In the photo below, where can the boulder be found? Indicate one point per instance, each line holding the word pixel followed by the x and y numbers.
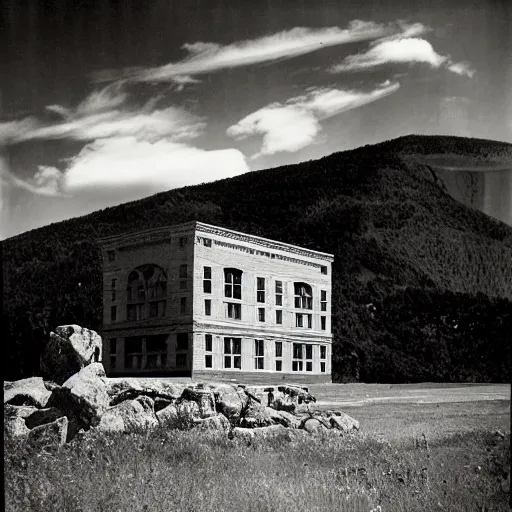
pixel 130 388
pixel 286 419
pixel 284 402
pixel 42 416
pixel 247 434
pixel 204 398
pixel 31 391
pixel 131 416
pixel 297 394
pixel 14 420
pixel 343 422
pixel 188 410
pixel 82 398
pixel 312 425
pixel 219 422
pixel 231 402
pixel 161 403
pixel 69 349
pixel 168 416
pixel 50 435
pixel 257 415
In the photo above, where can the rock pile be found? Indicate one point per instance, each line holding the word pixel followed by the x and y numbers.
pixel 78 397
pixel 45 414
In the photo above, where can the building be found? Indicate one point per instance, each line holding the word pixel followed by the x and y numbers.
pixel 212 303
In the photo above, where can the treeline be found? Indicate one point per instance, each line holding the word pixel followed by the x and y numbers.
pixel 389 224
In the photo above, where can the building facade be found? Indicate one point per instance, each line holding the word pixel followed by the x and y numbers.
pixel 212 303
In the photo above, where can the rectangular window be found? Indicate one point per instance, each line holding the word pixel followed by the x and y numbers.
pixel 234 311
pixel 181 360
pixel 156 309
pixel 113 313
pixel 233 353
pixel 112 352
pixel 298 356
pixel 207 307
pixel 182 342
pixel 233 283
pixel 113 362
pixel 261 314
pixel 183 241
pixel 208 342
pixel 183 305
pixel 279 316
pixel 208 361
pixel 260 289
pixel 259 357
pixel 310 321
pixel 207 279
pixel 323 351
pixel 279 366
pixel 323 321
pixel 207 242
pixel 113 295
pixel 279 349
pixel 298 320
pixel 153 310
pixel 183 285
pixel 114 282
pixel 141 292
pixel 323 300
pixel 183 271
pixel 133 352
pixel 309 358
pixel 111 255
pixel 323 269
pixel 279 293
pixel 322 366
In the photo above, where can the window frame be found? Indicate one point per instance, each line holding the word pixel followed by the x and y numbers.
pixel 259 354
pixel 232 288
pixel 234 355
pixel 260 290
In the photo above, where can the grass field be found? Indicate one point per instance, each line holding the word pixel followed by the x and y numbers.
pixel 460 464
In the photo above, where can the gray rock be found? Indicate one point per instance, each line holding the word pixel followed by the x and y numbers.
pixel 257 415
pixel 131 388
pixel 248 434
pixel 344 422
pixel 50 435
pixel 69 349
pixel 204 398
pixel 42 416
pixel 14 421
pixel 286 419
pixel 82 398
pixel 131 416
pixel 31 391
pixel 230 402
pixel 219 422
pixel 312 425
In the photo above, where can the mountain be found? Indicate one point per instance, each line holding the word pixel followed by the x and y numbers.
pixel 422 284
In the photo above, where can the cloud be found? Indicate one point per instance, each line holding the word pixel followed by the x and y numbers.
pixel 126 162
pixel 207 57
pixel 296 123
pixel 402 50
pixel 99 116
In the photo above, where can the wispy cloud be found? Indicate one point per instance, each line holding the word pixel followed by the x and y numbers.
pixel 99 117
pixel 208 57
pixel 401 50
pixel 295 124
pixel 129 162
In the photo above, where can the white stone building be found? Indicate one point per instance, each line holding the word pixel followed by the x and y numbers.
pixel 208 302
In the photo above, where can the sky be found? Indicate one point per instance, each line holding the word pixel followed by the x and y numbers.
pixel 103 102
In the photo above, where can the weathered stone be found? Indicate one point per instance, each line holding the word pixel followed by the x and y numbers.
pixel 69 349
pixel 284 403
pixel 161 403
pixel 219 422
pixel 43 416
pixel 147 404
pixel 131 416
pixel 258 415
pixel 204 398
pixel 168 416
pixel 344 422
pixel 50 435
pixel 82 398
pixel 286 419
pixel 299 394
pixel 248 434
pixel 188 410
pixel 31 391
pixel 14 420
pixel 230 402
pixel 312 425
pixel 131 388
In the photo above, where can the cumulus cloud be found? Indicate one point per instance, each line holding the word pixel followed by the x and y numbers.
pixel 207 57
pixel 295 124
pixel 129 162
pixel 401 50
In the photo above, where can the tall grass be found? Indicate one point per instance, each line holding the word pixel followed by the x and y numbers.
pixel 196 471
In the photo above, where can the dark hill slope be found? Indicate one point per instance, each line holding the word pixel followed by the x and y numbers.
pixel 422 284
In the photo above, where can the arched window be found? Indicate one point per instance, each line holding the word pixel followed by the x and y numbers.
pixel 303 296
pixel 146 292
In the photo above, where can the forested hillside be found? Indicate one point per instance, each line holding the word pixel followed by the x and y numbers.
pixel 422 285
